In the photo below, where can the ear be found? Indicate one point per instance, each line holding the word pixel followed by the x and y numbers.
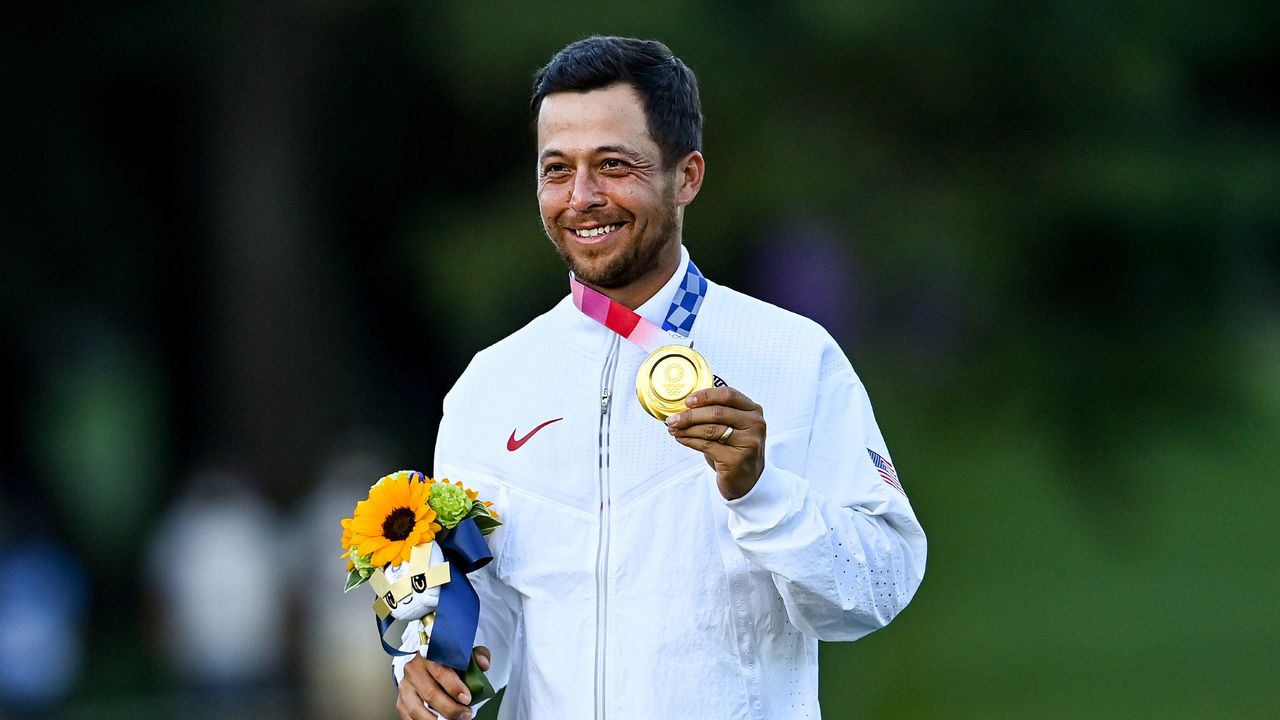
pixel 689 172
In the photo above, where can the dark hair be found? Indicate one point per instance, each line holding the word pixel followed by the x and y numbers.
pixel 667 87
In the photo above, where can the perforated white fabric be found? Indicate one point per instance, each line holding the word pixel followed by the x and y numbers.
pixel 624 586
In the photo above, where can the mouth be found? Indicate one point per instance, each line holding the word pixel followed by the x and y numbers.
pixel 596 234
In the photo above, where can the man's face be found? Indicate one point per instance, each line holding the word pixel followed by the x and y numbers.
pixel 606 203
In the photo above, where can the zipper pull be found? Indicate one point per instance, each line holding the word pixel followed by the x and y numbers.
pixel 604 401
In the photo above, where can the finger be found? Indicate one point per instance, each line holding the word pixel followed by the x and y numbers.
pixel 422 687
pixel 453 695
pixel 411 694
pixel 717 414
pixel 738 438
pixel 482 655
pixel 442 708
pixel 724 395
pixel 416 710
pixel 713 450
pixel 403 706
pixel 410 701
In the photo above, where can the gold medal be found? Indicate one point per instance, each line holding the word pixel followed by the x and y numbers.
pixel 668 376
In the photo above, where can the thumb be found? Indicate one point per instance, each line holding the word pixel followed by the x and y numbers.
pixel 482 656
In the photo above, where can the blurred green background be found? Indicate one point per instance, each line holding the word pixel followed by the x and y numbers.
pixel 247 247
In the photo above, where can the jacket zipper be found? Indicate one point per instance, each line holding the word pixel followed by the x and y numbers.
pixel 602 552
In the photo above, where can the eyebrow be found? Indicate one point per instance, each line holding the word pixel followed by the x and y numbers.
pixel 619 149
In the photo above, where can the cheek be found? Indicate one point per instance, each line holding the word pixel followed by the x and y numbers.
pixel 550 204
pixel 635 199
pixel 548 220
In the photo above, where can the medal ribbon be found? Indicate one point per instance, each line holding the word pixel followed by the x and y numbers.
pixel 638 329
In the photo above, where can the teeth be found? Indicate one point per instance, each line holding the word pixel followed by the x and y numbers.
pixel 595 232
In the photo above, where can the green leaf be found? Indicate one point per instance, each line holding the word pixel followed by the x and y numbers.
pixel 486 523
pixel 477 682
pixel 355 579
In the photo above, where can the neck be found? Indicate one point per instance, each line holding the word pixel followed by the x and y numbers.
pixel 638 292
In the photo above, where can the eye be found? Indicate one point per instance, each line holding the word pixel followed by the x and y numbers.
pixel 613 164
pixel 555 170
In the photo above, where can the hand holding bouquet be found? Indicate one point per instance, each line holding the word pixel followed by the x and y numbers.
pixel 414 540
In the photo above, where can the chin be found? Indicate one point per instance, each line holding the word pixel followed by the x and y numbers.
pixel 608 272
pixel 595 267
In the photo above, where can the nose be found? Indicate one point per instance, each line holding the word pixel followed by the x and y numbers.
pixel 584 193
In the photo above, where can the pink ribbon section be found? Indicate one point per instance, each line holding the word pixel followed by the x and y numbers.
pixel 615 316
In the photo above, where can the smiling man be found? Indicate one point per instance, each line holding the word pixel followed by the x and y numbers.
pixel 611 203
pixel 664 554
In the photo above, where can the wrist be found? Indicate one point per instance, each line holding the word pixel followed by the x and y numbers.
pixel 735 487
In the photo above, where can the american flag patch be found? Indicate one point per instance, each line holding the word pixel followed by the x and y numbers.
pixel 885 468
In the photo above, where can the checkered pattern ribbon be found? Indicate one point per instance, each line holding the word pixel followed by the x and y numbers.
pixel 630 325
pixel 687 300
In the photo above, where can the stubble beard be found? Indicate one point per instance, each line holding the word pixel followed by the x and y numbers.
pixel 630 263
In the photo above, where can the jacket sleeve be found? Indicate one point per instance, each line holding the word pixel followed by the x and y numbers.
pixel 498 602
pixel 843 545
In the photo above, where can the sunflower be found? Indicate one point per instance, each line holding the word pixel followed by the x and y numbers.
pixel 346 544
pixel 393 520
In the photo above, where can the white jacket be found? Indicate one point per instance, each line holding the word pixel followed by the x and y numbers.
pixel 623 584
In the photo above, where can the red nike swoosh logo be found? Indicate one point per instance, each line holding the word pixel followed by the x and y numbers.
pixel 513 444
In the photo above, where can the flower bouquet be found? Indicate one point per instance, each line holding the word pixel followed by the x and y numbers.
pixel 413 540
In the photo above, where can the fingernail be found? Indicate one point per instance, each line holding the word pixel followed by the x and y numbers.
pixel 466 715
pixel 691 400
pixel 673 419
pixel 464 698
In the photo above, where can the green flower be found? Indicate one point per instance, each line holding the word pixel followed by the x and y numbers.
pixel 360 569
pixel 450 502
pixel 363 563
